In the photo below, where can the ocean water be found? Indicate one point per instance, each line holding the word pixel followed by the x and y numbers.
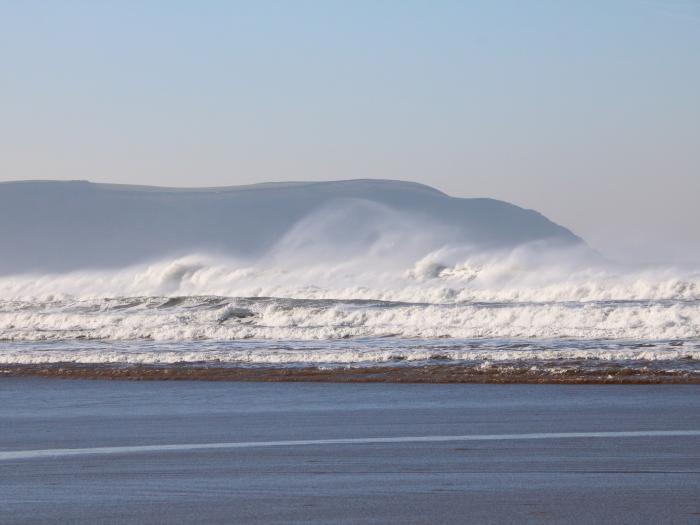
pixel 516 308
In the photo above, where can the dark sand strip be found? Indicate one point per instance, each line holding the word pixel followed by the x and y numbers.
pixel 510 374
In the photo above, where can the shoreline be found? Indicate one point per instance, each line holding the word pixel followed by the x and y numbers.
pixel 438 374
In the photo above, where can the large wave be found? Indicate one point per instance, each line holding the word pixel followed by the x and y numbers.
pixel 445 275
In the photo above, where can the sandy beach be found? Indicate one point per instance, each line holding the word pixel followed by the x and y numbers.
pixel 557 373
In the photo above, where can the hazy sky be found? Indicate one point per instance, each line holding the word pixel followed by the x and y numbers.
pixel 587 111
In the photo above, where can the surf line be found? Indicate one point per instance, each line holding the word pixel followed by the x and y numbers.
pixel 135 449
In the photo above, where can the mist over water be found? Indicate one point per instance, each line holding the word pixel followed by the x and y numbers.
pixel 358 249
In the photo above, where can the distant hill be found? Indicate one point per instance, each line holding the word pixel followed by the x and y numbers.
pixel 58 226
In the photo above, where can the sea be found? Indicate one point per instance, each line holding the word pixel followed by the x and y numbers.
pixel 520 308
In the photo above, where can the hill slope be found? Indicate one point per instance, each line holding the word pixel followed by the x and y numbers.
pixel 59 226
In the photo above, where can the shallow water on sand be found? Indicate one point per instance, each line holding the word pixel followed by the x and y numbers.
pixel 594 478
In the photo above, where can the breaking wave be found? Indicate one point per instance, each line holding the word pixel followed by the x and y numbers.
pixel 448 275
pixel 222 318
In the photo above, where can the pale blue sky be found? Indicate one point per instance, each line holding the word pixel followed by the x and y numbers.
pixel 587 111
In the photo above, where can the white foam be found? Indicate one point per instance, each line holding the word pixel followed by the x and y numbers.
pixel 222 319
pixel 451 292
pixel 340 352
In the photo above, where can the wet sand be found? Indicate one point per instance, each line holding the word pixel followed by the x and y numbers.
pixel 616 469
pixel 515 373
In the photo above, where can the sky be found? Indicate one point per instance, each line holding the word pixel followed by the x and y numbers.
pixel 588 112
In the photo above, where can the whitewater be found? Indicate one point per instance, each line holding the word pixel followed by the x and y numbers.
pixel 452 305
